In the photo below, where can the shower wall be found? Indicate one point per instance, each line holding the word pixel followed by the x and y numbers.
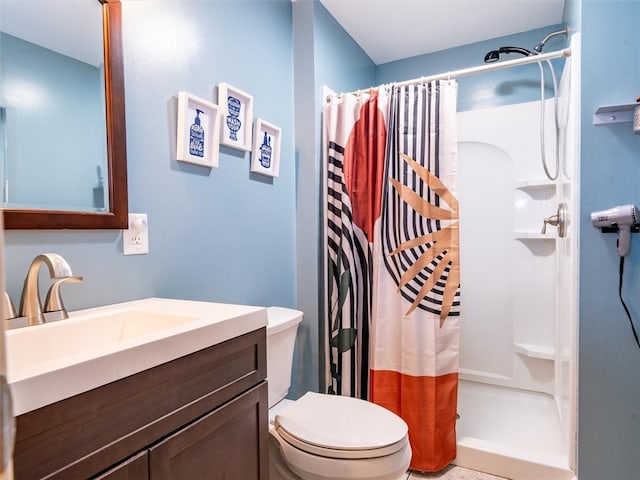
pixel 508 265
pixel 519 286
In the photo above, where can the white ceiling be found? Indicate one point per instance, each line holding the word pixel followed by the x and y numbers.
pixel 389 30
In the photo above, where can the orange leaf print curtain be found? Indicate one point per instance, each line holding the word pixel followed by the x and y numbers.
pixel 402 216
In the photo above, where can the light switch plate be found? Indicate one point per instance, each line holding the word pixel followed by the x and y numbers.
pixel 135 240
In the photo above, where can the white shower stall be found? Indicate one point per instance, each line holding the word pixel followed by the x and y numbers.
pixel 517 392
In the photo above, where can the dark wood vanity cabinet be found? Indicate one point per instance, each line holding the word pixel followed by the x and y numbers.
pixel 135 468
pixel 222 444
pixel 203 416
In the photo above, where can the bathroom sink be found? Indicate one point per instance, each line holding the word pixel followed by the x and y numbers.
pixel 85 334
pixel 50 362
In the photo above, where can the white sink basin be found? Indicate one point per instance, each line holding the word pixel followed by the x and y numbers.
pixel 85 334
pixel 50 362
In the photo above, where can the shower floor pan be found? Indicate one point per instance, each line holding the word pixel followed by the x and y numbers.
pixel 510 433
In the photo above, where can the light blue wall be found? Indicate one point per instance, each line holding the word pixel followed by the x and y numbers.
pixel 340 62
pixel 324 55
pixel 222 234
pixel 609 360
pixel 306 356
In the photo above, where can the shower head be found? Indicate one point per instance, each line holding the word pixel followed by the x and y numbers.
pixel 494 55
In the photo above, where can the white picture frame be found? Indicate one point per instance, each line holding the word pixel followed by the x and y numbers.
pixel 197 145
pixel 237 114
pixel 265 157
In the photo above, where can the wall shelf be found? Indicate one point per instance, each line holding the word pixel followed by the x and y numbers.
pixel 535 351
pixel 614 114
pixel 535 236
pixel 534 184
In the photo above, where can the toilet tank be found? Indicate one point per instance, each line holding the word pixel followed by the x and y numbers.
pixel 282 325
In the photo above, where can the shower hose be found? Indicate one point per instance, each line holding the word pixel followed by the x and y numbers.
pixel 558 129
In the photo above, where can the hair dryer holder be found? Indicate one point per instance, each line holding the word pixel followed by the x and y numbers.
pixel 635 228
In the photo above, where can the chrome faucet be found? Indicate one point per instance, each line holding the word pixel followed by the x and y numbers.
pixel 30 305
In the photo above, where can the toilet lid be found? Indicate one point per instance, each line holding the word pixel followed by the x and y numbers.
pixel 344 425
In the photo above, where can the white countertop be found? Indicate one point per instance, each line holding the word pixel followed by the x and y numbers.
pixel 93 347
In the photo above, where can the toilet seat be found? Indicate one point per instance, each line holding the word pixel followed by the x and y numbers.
pixel 339 453
pixel 341 427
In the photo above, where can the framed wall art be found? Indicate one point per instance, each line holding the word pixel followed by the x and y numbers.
pixel 265 158
pixel 198 135
pixel 237 108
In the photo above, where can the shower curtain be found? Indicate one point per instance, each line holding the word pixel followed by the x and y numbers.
pixel 393 265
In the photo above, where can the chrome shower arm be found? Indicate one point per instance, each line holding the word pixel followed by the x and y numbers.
pixel 538 48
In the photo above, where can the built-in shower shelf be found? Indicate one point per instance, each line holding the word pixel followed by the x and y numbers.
pixel 535 236
pixel 534 184
pixel 535 351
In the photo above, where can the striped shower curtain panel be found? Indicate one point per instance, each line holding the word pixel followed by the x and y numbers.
pixel 355 140
pixel 394 273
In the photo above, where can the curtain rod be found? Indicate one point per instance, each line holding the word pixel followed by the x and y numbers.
pixel 566 52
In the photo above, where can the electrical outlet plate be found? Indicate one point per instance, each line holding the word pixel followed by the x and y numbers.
pixel 135 240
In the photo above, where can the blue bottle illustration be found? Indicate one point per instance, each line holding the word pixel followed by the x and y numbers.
pixel 265 151
pixel 233 121
pixel 196 136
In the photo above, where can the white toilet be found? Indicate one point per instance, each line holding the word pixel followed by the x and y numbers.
pixel 322 437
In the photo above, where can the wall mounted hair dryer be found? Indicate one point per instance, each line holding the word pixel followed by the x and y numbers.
pixel 622 217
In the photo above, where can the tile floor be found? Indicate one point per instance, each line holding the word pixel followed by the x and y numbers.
pixel 452 472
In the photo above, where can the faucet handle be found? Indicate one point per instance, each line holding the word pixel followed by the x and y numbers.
pixel 53 303
pixel 559 219
pixel 551 220
pixel 8 310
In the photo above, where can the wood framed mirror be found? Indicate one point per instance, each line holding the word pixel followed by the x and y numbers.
pixel 115 217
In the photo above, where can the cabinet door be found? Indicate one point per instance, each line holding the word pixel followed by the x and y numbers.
pixel 230 443
pixel 135 468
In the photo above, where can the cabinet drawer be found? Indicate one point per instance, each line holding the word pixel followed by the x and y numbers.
pixel 81 436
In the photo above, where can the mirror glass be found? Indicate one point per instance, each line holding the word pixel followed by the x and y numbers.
pixel 61 73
